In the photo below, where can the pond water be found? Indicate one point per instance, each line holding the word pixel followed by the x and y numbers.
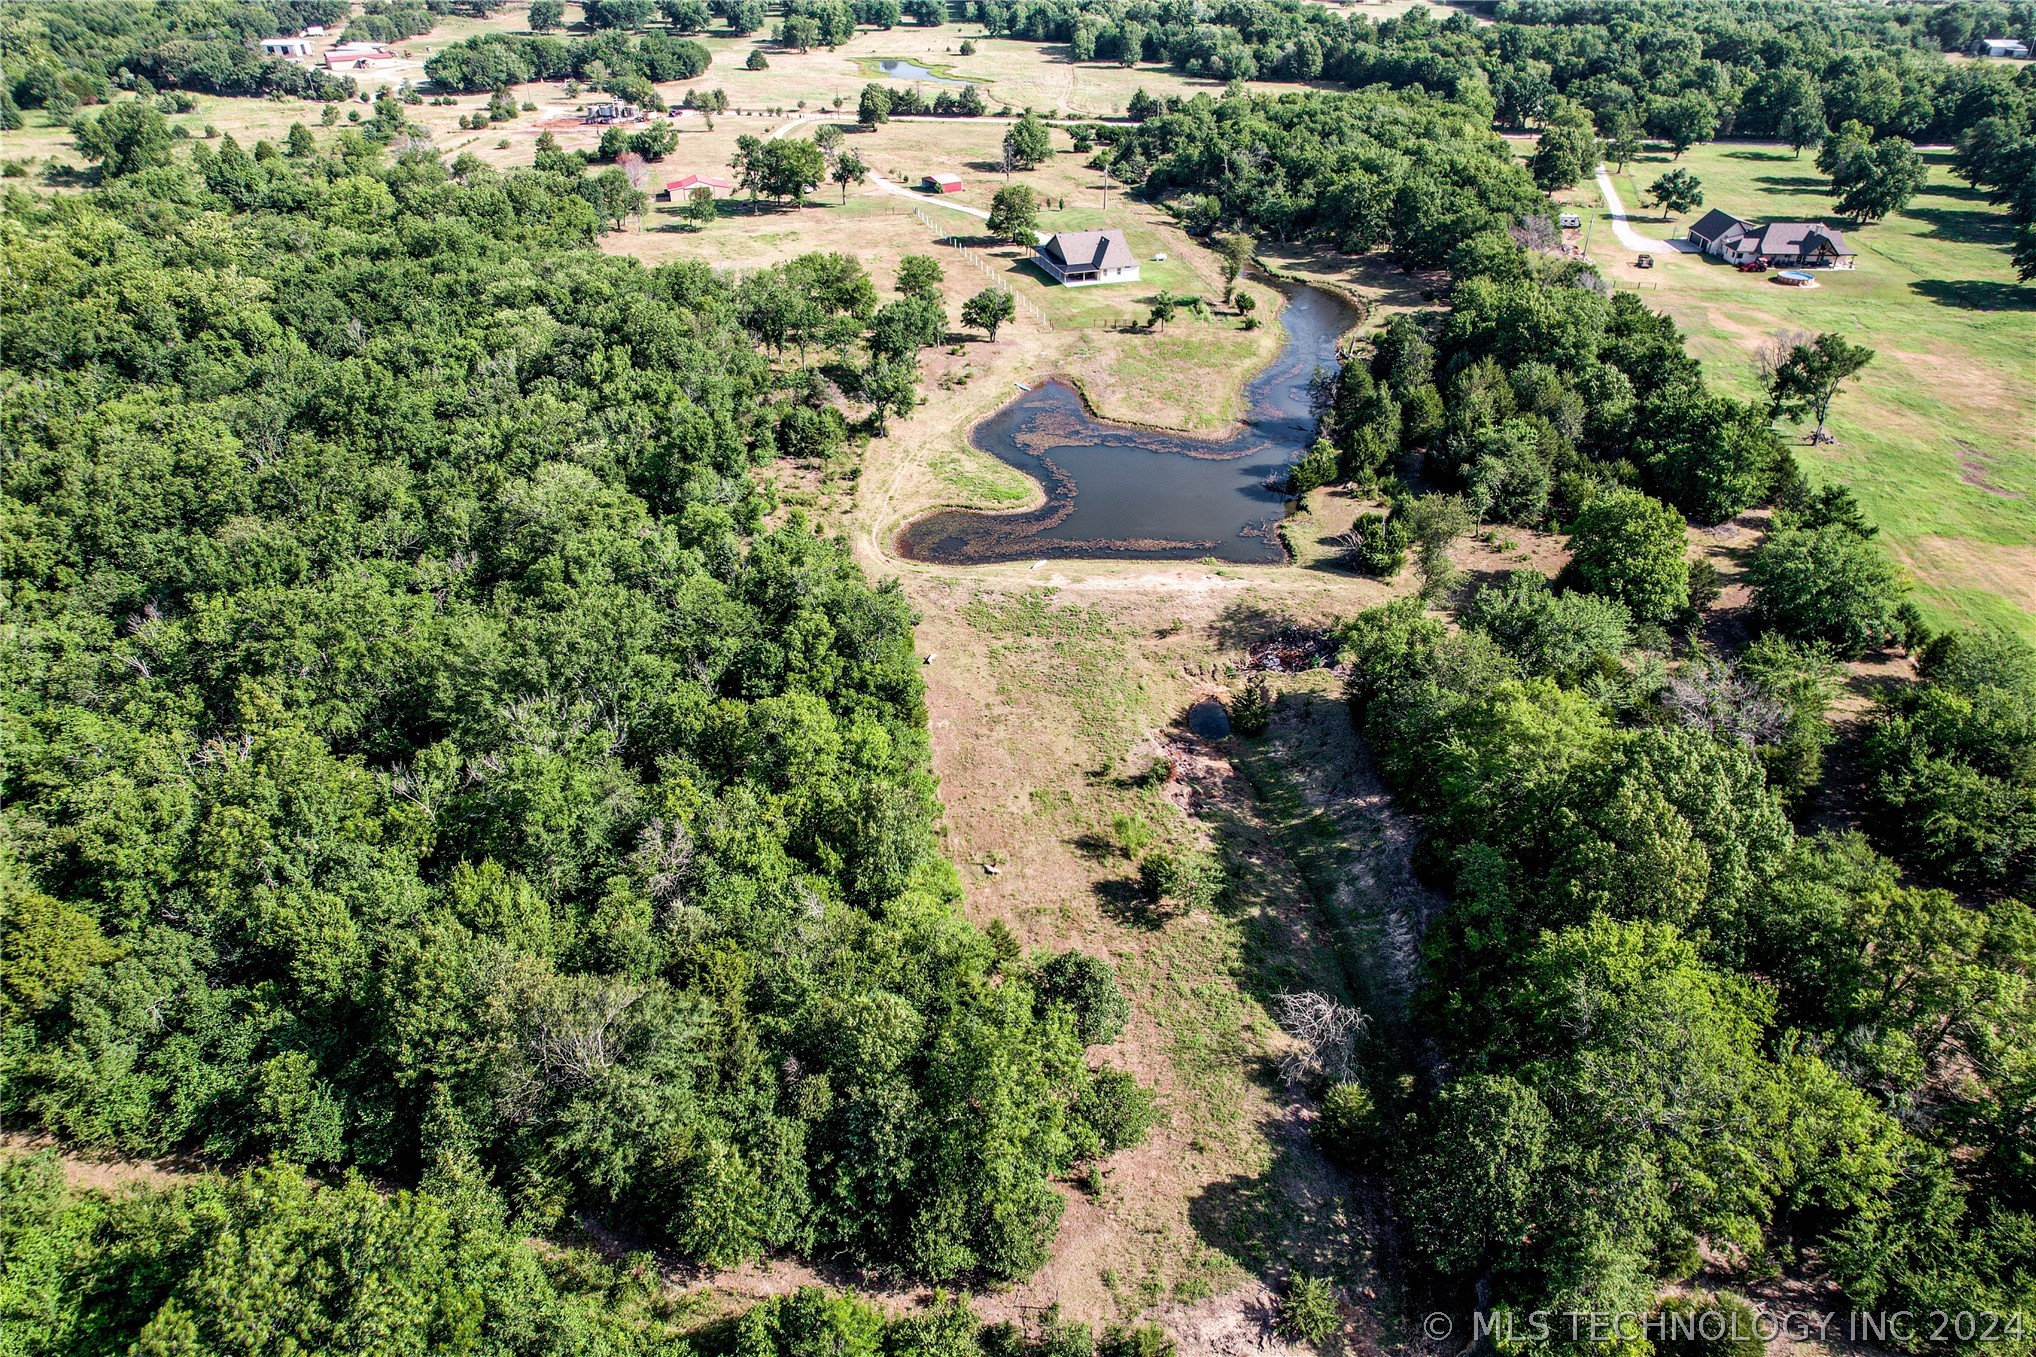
pixel 1209 720
pixel 900 69
pixel 1118 491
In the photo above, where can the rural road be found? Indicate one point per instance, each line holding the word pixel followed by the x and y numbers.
pixel 879 180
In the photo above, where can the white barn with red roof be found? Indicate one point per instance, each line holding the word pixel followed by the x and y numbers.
pixel 683 186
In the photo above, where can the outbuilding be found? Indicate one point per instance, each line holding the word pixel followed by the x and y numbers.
pixel 2001 47
pixel 286 47
pixel 940 183
pixel 680 189
pixel 1085 258
pixel 360 56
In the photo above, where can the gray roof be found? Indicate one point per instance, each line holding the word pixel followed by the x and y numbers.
pixel 1802 237
pixel 1715 223
pixel 1090 249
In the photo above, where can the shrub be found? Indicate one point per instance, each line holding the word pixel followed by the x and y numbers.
pixel 1117 1108
pixel 1348 1124
pixel 1140 1340
pixel 1251 710
pixel 1189 880
pixel 1308 1312
pixel 1381 545
pixel 1088 986
pixel 1708 1326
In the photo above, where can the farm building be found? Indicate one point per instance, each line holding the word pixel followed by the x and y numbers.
pixel 2000 47
pixel 680 189
pixel 286 47
pixel 1785 244
pixel 941 183
pixel 1085 258
pixel 360 56
pixel 613 113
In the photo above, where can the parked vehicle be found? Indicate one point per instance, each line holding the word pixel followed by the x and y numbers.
pixel 1753 266
pixel 1645 261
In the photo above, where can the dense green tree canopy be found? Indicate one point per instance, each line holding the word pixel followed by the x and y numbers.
pixel 418 752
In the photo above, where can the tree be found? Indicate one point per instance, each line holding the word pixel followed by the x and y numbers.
pixel 848 169
pixel 874 107
pixel 1431 525
pixel 1087 987
pixel 302 145
pixel 1470 1179
pixel 654 142
pixel 1806 382
pixel 756 61
pixel 890 386
pixel 1631 548
pixel 1234 252
pixel 616 13
pixel 126 137
pixel 1165 307
pixel 1568 150
pixel 1624 143
pixel 686 16
pixel 1684 120
pixel 1014 214
pixel 1878 181
pixel 1826 585
pixel 1676 193
pixel 1027 143
pixel 700 208
pixel 545 15
pixel 1802 119
pixel 988 310
pixel 790 167
pixel 920 276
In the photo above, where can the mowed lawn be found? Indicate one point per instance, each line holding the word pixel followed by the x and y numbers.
pixel 1937 439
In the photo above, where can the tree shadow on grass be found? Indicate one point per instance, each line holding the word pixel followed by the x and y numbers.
pixel 1807 182
pixel 1969 226
pixel 1758 155
pixel 1241 625
pixel 1974 294
pixel 1964 193
pixel 1124 901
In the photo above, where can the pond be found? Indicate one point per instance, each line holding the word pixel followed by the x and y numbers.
pixel 1113 490
pixel 900 69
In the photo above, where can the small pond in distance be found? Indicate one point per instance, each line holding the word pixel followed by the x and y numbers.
pixel 1117 491
pixel 900 69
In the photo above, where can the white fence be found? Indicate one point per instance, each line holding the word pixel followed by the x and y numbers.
pixel 982 264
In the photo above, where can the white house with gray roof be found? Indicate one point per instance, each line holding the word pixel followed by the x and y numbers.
pixel 1086 258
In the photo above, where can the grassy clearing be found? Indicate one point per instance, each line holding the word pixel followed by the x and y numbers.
pixel 1053 691
pixel 1937 441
